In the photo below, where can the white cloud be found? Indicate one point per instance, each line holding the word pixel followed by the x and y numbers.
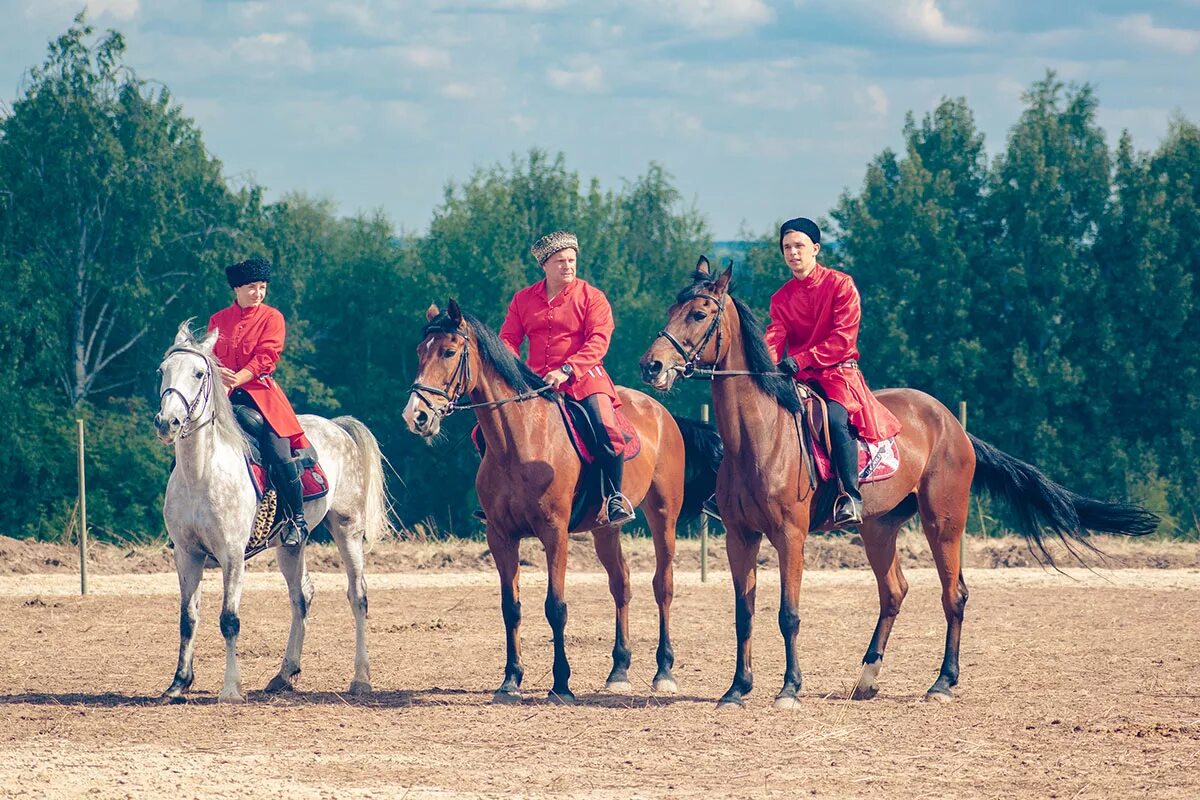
pixel 274 50
pixel 459 91
pixel 402 115
pixel 924 19
pixel 725 17
pixel 1184 41
pixel 588 79
pixel 522 123
pixel 877 100
pixel 427 57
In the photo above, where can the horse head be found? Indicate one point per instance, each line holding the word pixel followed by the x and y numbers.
pixel 695 329
pixel 446 370
pixel 186 381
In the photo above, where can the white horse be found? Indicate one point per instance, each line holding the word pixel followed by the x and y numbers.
pixel 210 503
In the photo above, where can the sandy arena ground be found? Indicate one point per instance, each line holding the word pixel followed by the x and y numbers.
pixel 1079 686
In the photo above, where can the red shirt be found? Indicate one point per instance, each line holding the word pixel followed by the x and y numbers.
pixel 815 320
pixel 574 328
pixel 252 339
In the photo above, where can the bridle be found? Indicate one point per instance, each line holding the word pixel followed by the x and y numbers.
pixel 691 359
pixel 460 383
pixel 189 426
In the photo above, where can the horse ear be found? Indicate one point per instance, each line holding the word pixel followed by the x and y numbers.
pixel 702 265
pixel 722 283
pixel 454 311
pixel 184 334
pixel 210 341
pixel 431 312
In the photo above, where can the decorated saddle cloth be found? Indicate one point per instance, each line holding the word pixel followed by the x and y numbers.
pixel 877 461
pixel 313 479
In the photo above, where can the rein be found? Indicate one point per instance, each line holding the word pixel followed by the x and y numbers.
pixel 692 368
pixel 188 426
pixel 457 386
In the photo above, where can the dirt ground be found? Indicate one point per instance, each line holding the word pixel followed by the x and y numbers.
pixel 1081 685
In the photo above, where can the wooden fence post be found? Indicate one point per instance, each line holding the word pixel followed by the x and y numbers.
pixel 703 517
pixel 83 576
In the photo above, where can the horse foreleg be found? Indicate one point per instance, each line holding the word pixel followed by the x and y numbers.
pixel 505 553
pixel 300 594
pixel 234 572
pixel 662 527
pixel 741 546
pixel 555 542
pixel 608 549
pixel 879 540
pixel 190 569
pixel 351 548
pixel 791 572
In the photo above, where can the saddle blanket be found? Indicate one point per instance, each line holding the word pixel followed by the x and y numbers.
pixel 876 460
pixel 313 479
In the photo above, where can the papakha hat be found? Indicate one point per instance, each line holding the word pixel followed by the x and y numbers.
pixel 251 270
pixel 551 243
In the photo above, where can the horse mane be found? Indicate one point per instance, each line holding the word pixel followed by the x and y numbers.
pixel 758 357
pixel 224 422
pixel 492 352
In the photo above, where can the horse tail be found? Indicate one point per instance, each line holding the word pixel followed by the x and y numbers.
pixel 703 452
pixel 377 519
pixel 1041 504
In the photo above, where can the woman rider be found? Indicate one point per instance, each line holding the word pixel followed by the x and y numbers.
pixel 814 321
pixel 248 347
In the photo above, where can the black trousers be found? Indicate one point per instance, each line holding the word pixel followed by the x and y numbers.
pixel 276 449
pixel 845 448
pixel 610 443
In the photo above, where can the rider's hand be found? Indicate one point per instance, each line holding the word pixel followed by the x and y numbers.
pixel 788 366
pixel 227 377
pixel 555 378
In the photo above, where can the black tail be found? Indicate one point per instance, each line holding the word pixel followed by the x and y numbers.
pixel 703 452
pixel 1042 505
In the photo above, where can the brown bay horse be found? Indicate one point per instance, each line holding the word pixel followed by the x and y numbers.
pixel 530 474
pixel 763 486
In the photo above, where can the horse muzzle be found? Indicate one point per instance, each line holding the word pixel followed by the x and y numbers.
pixel 422 421
pixel 657 375
pixel 167 428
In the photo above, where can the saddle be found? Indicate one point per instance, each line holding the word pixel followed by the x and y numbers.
pixel 589 493
pixel 312 480
pixel 876 461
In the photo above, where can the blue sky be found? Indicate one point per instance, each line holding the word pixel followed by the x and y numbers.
pixel 761 109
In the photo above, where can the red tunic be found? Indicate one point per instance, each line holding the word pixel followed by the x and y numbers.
pixel 574 328
pixel 252 339
pixel 817 320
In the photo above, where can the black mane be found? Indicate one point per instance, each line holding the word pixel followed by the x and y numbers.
pixel 758 358
pixel 492 351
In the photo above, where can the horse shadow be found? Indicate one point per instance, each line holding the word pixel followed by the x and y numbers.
pixel 434 696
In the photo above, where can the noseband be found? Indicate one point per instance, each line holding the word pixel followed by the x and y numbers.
pixel 189 426
pixel 691 358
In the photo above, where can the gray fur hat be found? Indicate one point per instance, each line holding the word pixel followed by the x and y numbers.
pixel 551 243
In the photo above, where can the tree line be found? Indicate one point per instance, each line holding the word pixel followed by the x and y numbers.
pixel 1052 287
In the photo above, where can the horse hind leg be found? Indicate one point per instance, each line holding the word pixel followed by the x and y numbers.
pixel 944 517
pixel 607 542
pixel 231 624
pixel 662 523
pixel 300 595
pixel 190 569
pixel 879 540
pixel 349 538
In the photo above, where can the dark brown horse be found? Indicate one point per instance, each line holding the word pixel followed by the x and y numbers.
pixel 530 474
pixel 763 486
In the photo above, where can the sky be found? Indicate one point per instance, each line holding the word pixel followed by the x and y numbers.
pixel 760 109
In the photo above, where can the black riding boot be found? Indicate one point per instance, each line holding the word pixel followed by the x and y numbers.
pixel 616 505
pixel 847 510
pixel 285 477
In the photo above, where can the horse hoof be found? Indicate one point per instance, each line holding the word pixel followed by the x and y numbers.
pixel 561 698
pixel 507 698
pixel 938 697
pixel 279 684
pixel 231 697
pixel 360 688
pixel 864 692
pixel 171 697
pixel 787 702
pixel 665 686
pixel 731 705
pixel 619 687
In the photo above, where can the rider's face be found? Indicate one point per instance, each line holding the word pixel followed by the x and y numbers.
pixel 251 294
pixel 560 267
pixel 800 253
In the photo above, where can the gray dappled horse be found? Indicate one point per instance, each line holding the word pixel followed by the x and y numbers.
pixel 210 504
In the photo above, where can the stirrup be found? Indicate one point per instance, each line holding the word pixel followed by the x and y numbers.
pixel 847 511
pixel 625 506
pixel 709 508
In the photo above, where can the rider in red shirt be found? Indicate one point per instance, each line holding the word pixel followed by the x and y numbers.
pixel 814 326
pixel 250 340
pixel 569 324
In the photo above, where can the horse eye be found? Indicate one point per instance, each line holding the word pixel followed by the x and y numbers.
pixel 698 315
pixel 199 374
pixel 448 353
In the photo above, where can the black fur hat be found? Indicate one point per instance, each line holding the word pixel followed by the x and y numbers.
pixel 251 270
